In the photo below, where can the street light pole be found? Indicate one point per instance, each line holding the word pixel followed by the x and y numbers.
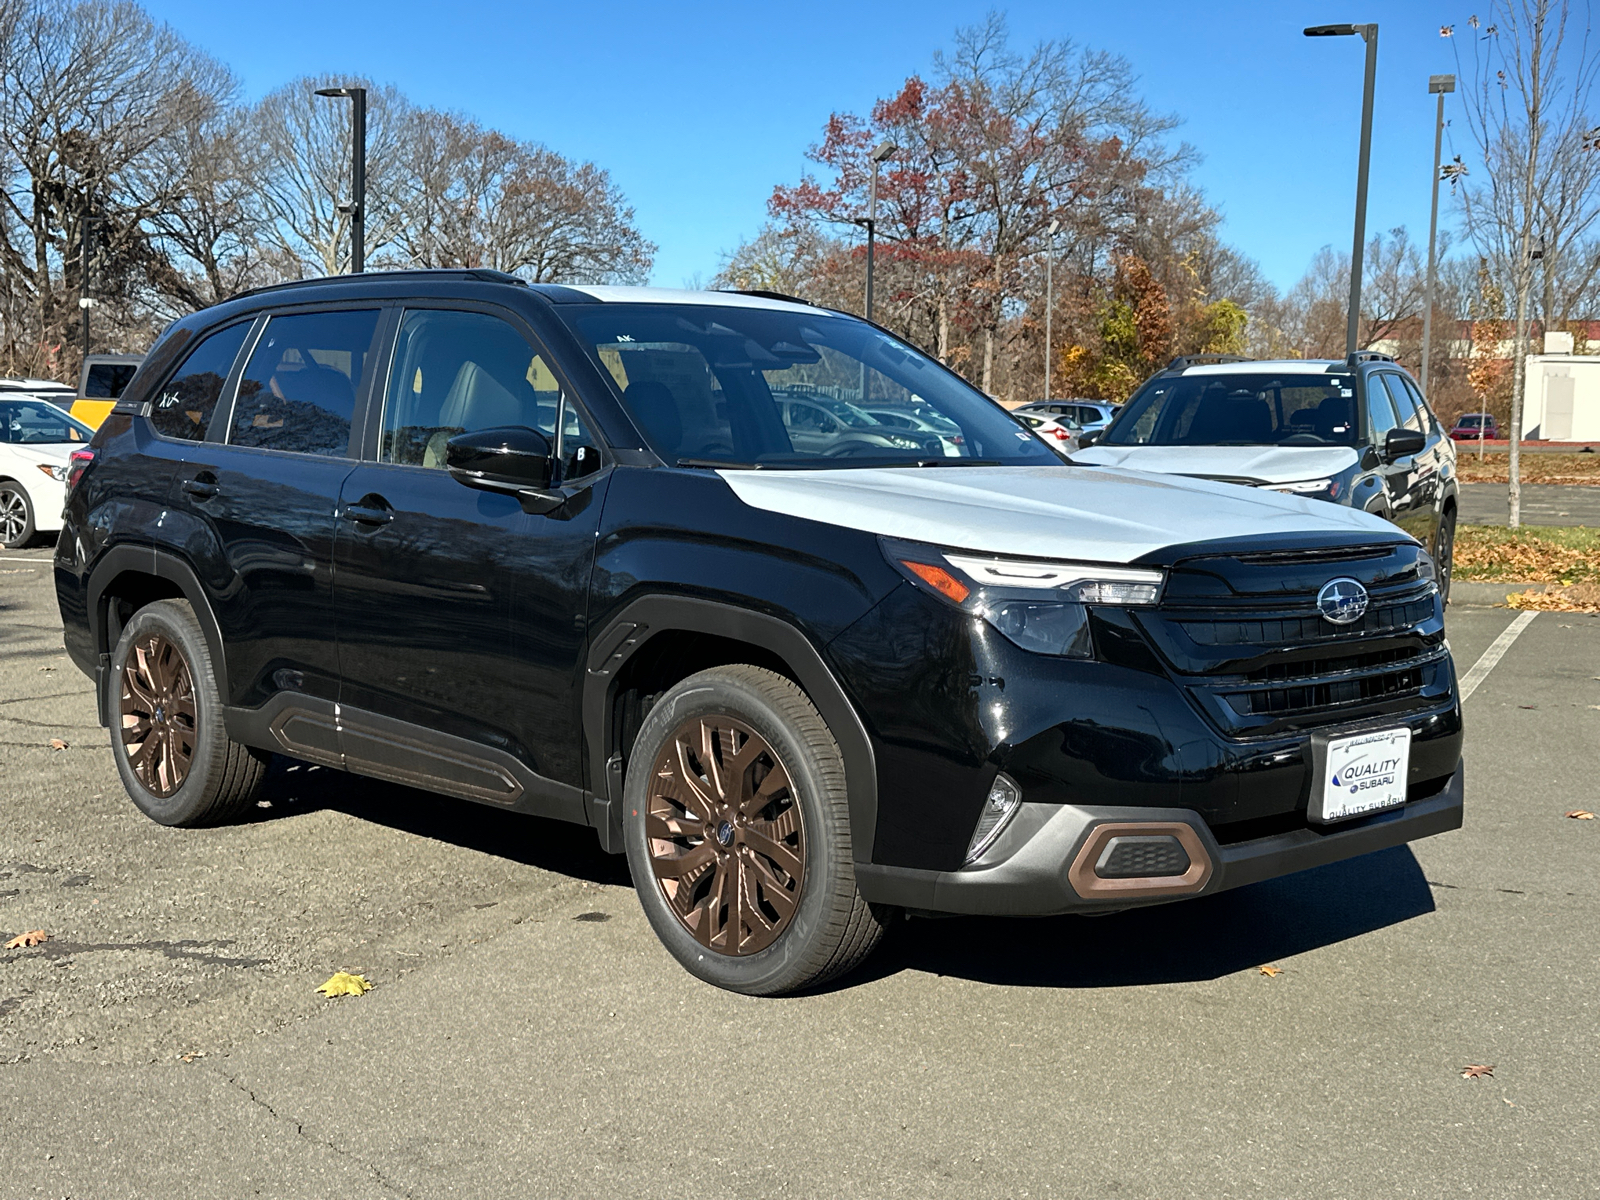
pixel 1438 85
pixel 880 155
pixel 357 208
pixel 1369 34
pixel 1049 297
pixel 85 301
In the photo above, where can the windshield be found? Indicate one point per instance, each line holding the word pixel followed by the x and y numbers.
pixel 767 387
pixel 35 423
pixel 1238 410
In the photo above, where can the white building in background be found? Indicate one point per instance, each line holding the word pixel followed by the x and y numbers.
pixel 1562 400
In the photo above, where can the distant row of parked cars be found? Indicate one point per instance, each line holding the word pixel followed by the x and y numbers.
pixel 40 423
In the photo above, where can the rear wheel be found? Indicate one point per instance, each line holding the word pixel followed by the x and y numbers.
pixel 737 831
pixel 16 516
pixel 172 750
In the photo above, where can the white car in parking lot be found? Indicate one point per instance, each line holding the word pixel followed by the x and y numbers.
pixel 36 444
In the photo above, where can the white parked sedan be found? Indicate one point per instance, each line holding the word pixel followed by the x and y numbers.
pixel 36 444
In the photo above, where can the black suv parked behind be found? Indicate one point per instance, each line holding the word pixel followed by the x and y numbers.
pixel 555 549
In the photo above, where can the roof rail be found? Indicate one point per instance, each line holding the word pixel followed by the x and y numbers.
pixel 767 295
pixel 475 274
pixel 1184 361
pixel 1361 356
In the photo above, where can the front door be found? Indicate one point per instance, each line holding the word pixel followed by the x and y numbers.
pixel 461 614
pixel 263 491
pixel 1413 479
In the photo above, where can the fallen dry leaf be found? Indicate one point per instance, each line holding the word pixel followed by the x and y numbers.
pixel 191 1056
pixel 1477 1072
pixel 33 937
pixel 1269 972
pixel 1581 814
pixel 57 744
pixel 345 984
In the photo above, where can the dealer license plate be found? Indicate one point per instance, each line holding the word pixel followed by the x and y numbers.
pixel 1364 773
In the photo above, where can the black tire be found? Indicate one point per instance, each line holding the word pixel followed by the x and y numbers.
pixel 1444 546
pixel 221 777
pixel 16 516
pixel 831 929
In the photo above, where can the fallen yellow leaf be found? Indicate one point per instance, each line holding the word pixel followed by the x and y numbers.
pixel 33 937
pixel 1270 971
pixel 1581 814
pixel 345 984
pixel 57 744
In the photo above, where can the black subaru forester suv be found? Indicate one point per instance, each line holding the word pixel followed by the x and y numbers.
pixel 641 560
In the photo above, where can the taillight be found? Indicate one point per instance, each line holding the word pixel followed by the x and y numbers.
pixel 75 466
pixel 1060 433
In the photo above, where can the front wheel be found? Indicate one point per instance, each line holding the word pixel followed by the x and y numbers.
pixel 16 516
pixel 737 830
pixel 1444 546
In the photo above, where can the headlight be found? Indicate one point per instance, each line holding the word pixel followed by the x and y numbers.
pixel 1307 487
pixel 59 474
pixel 1038 605
pixel 1427 569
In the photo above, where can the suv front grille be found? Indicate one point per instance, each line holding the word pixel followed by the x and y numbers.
pixel 1263 665
pixel 1288 629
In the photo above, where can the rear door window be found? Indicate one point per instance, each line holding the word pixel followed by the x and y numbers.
pixel 298 391
pixel 107 381
pixel 182 409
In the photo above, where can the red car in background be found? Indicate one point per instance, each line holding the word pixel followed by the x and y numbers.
pixel 1473 427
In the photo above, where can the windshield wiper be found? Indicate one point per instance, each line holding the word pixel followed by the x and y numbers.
pixel 717 464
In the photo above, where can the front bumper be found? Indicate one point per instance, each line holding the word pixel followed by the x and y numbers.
pixel 1029 870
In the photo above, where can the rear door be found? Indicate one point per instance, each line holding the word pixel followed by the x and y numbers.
pixel 460 613
pixel 263 487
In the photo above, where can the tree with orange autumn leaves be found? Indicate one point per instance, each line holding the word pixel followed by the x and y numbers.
pixel 992 149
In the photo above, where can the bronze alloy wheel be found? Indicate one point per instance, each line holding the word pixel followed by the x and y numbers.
pixel 725 835
pixel 158 714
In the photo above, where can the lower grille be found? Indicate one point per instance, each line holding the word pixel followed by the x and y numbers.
pixel 1322 697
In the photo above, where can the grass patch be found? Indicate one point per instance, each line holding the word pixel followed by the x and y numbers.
pixel 1534 468
pixel 1532 554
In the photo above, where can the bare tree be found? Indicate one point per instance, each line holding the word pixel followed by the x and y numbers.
pixel 476 198
pixel 305 170
pixel 88 90
pixel 1527 109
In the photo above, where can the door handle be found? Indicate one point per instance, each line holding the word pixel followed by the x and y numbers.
pixel 200 489
pixel 370 510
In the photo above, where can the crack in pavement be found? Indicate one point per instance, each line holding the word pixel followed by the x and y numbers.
pixel 180 950
pixel 300 1132
pixel 1467 887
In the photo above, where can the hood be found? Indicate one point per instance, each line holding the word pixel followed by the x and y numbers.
pixel 1267 464
pixel 1094 514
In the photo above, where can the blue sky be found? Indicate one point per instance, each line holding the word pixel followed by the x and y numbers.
pixel 698 109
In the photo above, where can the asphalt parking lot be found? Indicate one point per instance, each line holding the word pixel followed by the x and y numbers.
pixel 1542 504
pixel 527 1037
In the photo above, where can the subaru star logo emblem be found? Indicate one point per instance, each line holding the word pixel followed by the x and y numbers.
pixel 1342 601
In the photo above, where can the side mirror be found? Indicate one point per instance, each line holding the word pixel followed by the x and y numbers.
pixel 512 458
pixel 1402 442
pixel 1089 438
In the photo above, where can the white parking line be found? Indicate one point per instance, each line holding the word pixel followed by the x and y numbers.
pixel 1491 656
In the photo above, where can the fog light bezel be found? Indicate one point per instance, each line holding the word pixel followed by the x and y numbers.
pixel 997 813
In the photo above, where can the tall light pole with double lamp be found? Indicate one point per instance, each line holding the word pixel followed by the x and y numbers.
pixel 1369 34
pixel 1438 85
pixel 881 154
pixel 357 208
pixel 1049 296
